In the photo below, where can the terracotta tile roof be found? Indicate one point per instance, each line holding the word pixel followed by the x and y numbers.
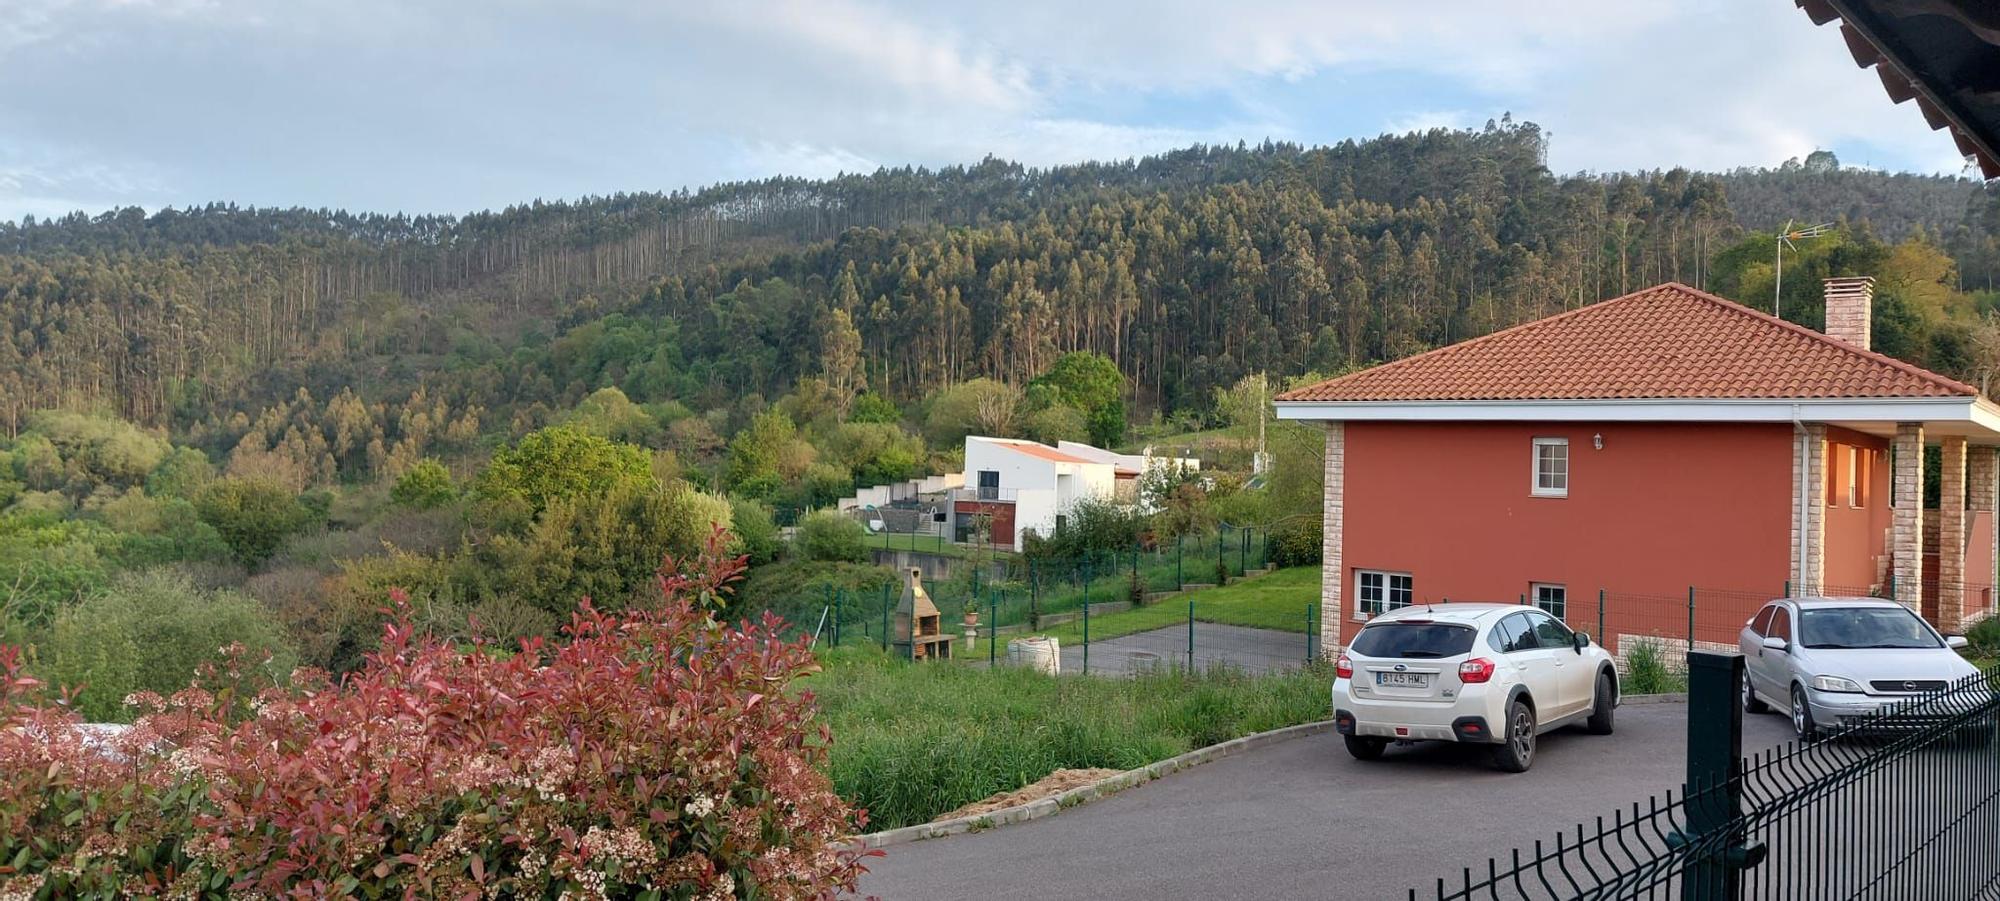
pixel 1668 341
pixel 1043 451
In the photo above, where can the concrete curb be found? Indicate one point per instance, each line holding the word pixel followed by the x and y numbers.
pixel 1083 794
pixel 1672 697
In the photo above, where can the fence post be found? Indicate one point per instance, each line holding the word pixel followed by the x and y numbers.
pixel 1601 637
pixel 1309 632
pixel 1034 597
pixel 838 596
pixel 1179 583
pixel 1220 544
pixel 1788 589
pixel 1243 552
pixel 1690 619
pixel 1190 663
pixel 886 605
pixel 1086 631
pixel 992 627
pixel 1714 789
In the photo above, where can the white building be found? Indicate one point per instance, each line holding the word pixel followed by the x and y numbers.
pixel 1013 487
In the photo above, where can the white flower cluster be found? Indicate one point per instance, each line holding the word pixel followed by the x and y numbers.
pixel 20 888
pixel 701 806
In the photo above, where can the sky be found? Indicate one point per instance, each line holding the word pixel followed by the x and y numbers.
pixel 450 106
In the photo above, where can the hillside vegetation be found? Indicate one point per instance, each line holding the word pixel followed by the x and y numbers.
pixel 257 424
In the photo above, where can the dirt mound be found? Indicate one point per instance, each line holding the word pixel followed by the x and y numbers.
pixel 1053 783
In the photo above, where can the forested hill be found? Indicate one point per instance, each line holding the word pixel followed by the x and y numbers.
pixel 1189 269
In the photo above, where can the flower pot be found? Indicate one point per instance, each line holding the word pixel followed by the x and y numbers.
pixel 971 619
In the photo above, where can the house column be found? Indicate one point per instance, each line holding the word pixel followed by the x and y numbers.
pixel 1906 533
pixel 1982 477
pixel 1332 573
pixel 1951 534
pixel 1809 510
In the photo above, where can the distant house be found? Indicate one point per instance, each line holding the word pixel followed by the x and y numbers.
pixel 1010 488
pixel 1648 445
pixel 1014 487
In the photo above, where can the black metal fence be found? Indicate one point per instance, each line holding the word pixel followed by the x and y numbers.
pixel 1901 805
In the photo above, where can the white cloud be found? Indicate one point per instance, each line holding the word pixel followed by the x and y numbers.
pixel 459 104
pixel 1425 120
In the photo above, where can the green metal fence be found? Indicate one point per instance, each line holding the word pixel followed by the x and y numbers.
pixel 987 603
pixel 1902 805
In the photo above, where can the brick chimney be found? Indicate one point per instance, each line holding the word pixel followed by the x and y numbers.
pixel 1849 302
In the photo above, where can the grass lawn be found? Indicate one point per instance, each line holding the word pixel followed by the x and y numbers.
pixel 912 741
pixel 1275 600
pixel 929 544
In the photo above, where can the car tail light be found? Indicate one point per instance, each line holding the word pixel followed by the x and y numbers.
pixel 1478 669
pixel 1343 668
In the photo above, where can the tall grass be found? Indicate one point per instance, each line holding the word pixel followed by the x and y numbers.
pixel 912 741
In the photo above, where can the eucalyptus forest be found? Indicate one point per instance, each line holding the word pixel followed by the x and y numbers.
pixel 256 423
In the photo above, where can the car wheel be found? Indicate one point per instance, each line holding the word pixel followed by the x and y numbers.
pixel 1802 718
pixel 1365 748
pixel 1517 751
pixel 1603 706
pixel 1751 704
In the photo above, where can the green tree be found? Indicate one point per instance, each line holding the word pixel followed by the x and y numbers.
pixel 872 407
pixel 979 406
pixel 562 462
pixel 424 486
pixel 253 517
pixel 1091 383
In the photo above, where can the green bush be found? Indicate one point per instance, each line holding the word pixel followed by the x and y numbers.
pixel 425 486
pixel 253 517
pixel 756 530
pixel 1296 542
pixel 1092 527
pixel 1647 672
pixel 913 741
pixel 151 631
pixel 827 536
pixel 797 590
pixel 1985 637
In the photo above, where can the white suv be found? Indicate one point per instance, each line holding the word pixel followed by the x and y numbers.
pixel 1494 674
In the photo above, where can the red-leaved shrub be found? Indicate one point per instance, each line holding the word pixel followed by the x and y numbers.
pixel 648 754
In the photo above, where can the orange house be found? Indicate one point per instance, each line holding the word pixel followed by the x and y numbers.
pixel 1656 464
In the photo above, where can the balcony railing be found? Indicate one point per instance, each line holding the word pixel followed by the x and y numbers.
pixel 990 494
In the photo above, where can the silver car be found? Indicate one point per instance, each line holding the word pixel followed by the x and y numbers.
pixel 1838 661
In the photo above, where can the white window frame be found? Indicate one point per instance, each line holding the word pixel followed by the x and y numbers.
pixel 1535 468
pixel 1535 590
pixel 1386 592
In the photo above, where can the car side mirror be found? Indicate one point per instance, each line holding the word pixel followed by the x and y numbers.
pixel 1580 640
pixel 1774 643
pixel 1955 641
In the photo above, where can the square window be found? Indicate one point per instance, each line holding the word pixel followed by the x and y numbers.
pixel 1376 593
pixel 1553 599
pixel 1551 467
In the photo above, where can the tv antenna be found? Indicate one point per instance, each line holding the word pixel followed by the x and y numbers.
pixel 1785 238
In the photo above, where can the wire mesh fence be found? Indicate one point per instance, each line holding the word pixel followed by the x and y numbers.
pixel 1903 803
pixel 1105 613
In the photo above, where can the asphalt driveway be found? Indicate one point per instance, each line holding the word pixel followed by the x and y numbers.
pixel 1301 819
pixel 1256 651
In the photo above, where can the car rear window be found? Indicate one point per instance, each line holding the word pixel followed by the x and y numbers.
pixel 1413 640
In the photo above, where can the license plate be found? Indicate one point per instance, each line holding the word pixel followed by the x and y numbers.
pixel 1403 680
